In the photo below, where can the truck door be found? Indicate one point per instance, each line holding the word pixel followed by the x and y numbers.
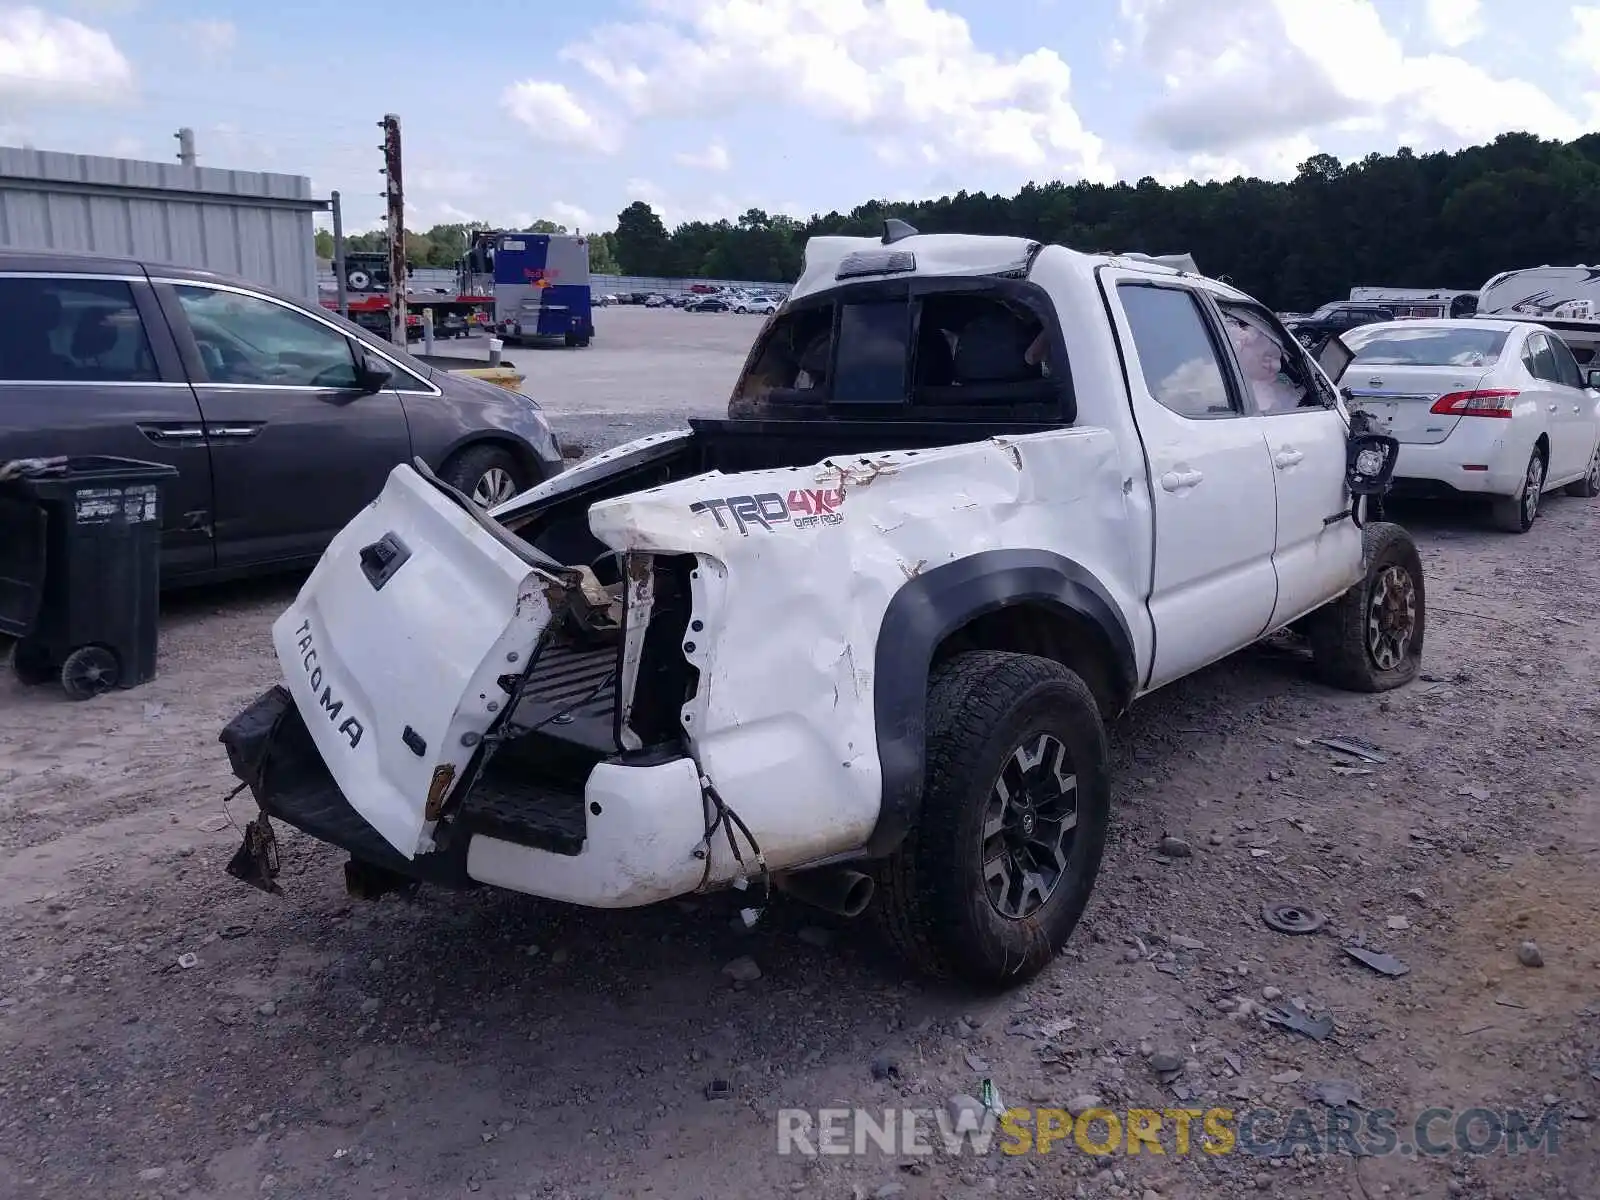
pixel 1317 553
pixel 1213 588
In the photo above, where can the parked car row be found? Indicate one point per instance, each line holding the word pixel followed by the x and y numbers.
pixel 282 419
pixel 702 298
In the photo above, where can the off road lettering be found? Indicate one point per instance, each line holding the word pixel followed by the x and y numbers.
pixel 802 508
pixel 350 727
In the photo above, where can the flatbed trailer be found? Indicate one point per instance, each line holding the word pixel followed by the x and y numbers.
pixel 454 315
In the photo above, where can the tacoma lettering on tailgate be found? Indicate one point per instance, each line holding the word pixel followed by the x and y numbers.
pixel 350 727
pixel 803 507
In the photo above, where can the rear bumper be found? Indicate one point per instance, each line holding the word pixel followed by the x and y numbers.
pixel 628 839
pixel 1442 468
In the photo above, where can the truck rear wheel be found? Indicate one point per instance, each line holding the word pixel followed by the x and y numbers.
pixel 1370 639
pixel 992 879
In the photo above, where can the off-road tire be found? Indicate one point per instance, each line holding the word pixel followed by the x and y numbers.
pixel 1515 514
pixel 1341 634
pixel 1589 486
pixel 476 465
pixel 930 899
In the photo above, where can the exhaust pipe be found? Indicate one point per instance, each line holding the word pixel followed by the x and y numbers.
pixel 833 889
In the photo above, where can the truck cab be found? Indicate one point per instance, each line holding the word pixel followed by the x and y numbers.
pixel 859 641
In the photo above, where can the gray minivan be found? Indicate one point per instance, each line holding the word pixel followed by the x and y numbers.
pixel 282 418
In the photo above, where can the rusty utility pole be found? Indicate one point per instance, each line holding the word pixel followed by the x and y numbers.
pixel 394 193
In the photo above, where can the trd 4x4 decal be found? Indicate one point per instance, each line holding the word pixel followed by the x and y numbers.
pixel 802 508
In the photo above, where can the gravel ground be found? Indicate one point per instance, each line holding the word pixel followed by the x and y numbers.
pixel 497 1046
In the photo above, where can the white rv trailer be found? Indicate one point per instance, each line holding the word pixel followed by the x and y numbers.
pixel 1561 292
pixel 1418 302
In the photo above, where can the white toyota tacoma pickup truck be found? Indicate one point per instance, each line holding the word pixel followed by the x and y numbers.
pixel 859 641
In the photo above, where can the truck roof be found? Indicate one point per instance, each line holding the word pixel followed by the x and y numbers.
pixel 935 254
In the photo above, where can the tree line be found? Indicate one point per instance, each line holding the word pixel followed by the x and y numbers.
pixel 1446 220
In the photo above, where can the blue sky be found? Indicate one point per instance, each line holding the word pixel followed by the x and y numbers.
pixel 704 108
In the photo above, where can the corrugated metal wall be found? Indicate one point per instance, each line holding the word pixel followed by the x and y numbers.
pixel 252 224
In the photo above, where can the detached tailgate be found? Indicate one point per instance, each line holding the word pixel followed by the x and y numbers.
pixel 395 645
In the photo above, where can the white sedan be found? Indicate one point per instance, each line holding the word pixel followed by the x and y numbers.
pixel 1480 407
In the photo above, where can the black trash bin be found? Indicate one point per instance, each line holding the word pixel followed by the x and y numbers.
pixel 80 572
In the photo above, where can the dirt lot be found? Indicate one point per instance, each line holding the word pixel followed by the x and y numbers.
pixel 494 1045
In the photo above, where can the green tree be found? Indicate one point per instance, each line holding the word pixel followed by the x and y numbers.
pixel 324 243
pixel 602 255
pixel 641 241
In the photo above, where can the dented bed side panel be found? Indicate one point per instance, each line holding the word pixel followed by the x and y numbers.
pixel 797 567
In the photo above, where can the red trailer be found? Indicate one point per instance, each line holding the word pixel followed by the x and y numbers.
pixel 453 315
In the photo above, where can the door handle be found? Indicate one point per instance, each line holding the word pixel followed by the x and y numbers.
pixel 1176 481
pixel 1552 408
pixel 168 435
pixel 1575 408
pixel 1287 457
pixel 237 433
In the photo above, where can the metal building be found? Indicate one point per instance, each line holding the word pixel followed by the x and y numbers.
pixel 247 223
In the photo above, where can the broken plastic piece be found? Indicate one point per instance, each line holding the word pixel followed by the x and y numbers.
pixel 256 861
pixel 749 916
pixel 1383 964
pixel 1356 749
pixel 1296 1021
pixel 1336 1093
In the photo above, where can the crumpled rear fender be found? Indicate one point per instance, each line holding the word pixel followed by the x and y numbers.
pixel 797 569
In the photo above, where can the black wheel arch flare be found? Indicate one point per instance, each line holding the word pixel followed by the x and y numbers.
pixel 926 611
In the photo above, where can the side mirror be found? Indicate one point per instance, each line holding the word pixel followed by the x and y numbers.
pixel 1334 357
pixel 372 374
pixel 1370 457
pixel 1591 377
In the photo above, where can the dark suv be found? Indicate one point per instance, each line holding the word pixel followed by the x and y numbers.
pixel 1335 318
pixel 282 418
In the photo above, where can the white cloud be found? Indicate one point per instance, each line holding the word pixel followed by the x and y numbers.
pixel 1454 23
pixel 108 8
pixel 713 158
pixel 1252 79
pixel 210 36
pixel 47 58
pixel 445 181
pixel 570 215
pixel 553 114
pixel 901 69
pixel 1584 47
